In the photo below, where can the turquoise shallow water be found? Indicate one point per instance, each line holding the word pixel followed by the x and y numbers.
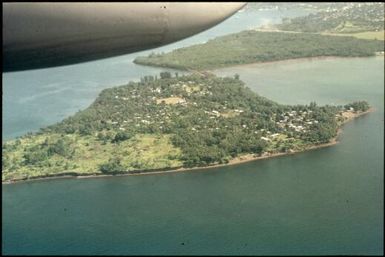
pixel 325 201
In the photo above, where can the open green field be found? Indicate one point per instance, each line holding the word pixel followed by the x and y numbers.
pixel 379 35
pixel 142 152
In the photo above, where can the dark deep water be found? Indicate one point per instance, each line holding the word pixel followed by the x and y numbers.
pixel 326 201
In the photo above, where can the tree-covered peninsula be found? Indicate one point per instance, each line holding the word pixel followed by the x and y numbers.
pixel 169 123
pixel 254 46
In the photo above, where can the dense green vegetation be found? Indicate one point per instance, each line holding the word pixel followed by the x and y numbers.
pixel 254 46
pixel 361 106
pixel 348 18
pixel 168 123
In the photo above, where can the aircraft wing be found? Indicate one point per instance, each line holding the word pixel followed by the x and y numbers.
pixel 41 35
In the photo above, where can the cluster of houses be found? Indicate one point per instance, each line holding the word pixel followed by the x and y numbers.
pixel 270 136
pixel 355 12
pixel 291 121
pixel 296 121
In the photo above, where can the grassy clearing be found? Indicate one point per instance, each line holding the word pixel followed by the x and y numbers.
pixel 379 35
pixel 229 114
pixel 283 143
pixel 170 100
pixel 140 152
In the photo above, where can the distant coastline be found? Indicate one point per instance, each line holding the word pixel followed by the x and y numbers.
pixel 291 60
pixel 238 160
pixel 261 46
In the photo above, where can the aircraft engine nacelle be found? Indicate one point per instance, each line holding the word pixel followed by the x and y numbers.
pixel 41 35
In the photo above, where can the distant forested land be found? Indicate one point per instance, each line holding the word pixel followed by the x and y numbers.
pixel 169 122
pixel 255 46
pixel 348 18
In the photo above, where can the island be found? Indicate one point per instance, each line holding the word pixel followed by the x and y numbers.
pixel 252 46
pixel 172 123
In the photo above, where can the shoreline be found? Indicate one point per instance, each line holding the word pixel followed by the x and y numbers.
pixel 299 59
pixel 291 60
pixel 238 160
